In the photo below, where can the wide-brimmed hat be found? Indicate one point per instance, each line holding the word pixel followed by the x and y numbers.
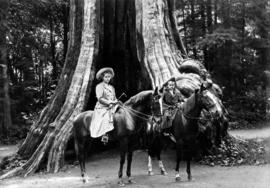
pixel 166 83
pixel 101 71
pixel 170 79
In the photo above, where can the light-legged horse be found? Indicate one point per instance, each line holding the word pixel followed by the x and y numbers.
pixel 184 130
pixel 140 107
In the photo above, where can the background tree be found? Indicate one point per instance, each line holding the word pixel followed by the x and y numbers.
pixel 5 116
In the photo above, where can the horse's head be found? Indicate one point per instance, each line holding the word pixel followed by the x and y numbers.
pixel 201 99
pixel 155 107
pixel 146 104
pixel 208 101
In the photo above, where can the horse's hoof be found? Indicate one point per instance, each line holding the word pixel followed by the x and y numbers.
pixel 190 178
pixel 121 183
pixel 131 181
pixel 177 179
pixel 150 173
pixel 163 172
pixel 85 180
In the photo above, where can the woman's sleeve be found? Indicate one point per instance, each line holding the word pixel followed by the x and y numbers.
pixel 99 91
pixel 114 92
pixel 165 98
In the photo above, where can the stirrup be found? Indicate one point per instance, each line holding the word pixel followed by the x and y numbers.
pixel 105 139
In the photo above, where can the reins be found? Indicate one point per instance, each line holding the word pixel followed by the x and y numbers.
pixel 136 113
pixel 196 118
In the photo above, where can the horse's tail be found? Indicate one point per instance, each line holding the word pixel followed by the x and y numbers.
pixel 76 147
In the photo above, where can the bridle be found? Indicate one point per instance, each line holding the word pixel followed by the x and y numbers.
pixel 201 118
pixel 142 115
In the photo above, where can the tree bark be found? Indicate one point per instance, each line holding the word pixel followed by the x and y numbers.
pixel 156 45
pixel 5 115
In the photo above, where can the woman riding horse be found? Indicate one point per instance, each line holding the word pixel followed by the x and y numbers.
pixel 139 108
pixel 102 120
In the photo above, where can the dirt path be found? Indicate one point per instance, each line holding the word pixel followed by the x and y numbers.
pixel 253 133
pixel 7 150
pixel 102 170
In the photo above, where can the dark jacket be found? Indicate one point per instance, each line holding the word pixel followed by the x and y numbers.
pixel 172 100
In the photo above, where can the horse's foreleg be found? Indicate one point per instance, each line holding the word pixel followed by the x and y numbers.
pixel 150 168
pixel 128 172
pixel 188 170
pixel 178 159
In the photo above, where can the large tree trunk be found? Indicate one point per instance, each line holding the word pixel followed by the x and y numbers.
pixel 5 116
pixel 138 38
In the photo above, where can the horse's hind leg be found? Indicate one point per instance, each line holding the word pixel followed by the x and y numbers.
pixel 161 166
pixel 188 170
pixel 80 146
pixel 178 159
pixel 123 148
pixel 150 168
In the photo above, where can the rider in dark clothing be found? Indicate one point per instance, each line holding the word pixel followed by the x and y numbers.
pixel 172 99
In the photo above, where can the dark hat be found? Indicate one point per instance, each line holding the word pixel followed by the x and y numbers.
pixel 165 83
pixel 171 79
pixel 103 70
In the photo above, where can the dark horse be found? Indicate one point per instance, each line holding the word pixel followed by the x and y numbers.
pixel 184 130
pixel 141 107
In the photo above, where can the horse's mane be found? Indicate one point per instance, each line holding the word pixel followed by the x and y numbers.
pixel 216 102
pixel 189 103
pixel 138 98
pixel 126 116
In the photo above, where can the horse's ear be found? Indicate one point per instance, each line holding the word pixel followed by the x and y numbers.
pixel 197 90
pixel 202 87
pixel 157 92
pixel 160 91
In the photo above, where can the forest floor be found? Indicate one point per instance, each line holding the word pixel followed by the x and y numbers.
pixel 102 170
